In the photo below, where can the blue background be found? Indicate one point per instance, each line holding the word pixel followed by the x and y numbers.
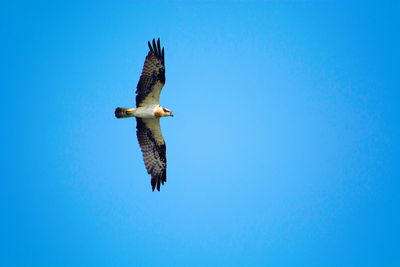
pixel 284 148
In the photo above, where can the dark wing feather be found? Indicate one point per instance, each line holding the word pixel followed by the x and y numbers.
pixel 152 78
pixel 152 144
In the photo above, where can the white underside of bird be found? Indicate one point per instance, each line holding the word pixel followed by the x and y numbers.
pixel 147 112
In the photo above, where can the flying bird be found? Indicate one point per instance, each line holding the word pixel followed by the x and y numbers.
pixel 148 113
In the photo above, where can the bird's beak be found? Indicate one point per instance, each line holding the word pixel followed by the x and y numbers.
pixel 172 115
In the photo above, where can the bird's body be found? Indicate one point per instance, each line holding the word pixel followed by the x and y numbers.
pixel 148 113
pixel 144 112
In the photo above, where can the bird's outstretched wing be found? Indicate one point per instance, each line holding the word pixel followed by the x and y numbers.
pixel 153 147
pixel 152 79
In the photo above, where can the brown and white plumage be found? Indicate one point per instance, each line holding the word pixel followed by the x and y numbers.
pixel 148 113
pixel 153 148
pixel 152 79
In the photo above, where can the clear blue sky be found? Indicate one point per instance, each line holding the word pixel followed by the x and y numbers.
pixel 284 148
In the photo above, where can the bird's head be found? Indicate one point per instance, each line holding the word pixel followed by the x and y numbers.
pixel 167 112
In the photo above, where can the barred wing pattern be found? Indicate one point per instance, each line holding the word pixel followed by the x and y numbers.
pixel 152 144
pixel 152 78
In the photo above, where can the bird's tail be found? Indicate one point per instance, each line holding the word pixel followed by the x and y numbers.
pixel 124 112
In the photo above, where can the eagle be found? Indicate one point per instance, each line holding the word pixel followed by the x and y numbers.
pixel 148 113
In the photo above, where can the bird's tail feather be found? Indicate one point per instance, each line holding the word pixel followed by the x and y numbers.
pixel 124 112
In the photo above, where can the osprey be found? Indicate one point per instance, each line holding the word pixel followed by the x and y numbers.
pixel 148 113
